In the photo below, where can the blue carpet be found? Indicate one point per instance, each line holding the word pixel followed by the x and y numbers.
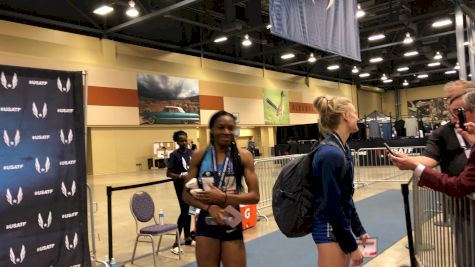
pixel 382 216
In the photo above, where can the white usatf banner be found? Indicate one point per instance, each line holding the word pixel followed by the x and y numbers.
pixel 329 25
pixel 43 218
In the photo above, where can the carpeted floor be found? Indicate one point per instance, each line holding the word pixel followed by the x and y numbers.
pixel 382 216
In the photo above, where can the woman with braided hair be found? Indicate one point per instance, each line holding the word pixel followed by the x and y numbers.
pixel 225 165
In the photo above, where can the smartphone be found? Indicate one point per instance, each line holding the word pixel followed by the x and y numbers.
pixel 389 149
pixel 462 119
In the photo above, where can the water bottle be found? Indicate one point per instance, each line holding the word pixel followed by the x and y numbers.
pixel 161 217
pixel 112 263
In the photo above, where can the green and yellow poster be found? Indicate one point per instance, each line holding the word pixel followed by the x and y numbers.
pixel 276 107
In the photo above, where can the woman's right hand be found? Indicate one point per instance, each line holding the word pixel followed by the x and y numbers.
pixel 217 213
pixel 356 257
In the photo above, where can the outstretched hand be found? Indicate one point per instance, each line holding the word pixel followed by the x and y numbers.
pixel 403 162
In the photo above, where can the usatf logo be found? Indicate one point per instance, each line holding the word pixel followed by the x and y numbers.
pixel 15 225
pixel 67 162
pixel 38 83
pixel 73 245
pixel 38 115
pixel 9 141
pixel 69 215
pixel 19 197
pixel 38 167
pixel 8 85
pixel 45 247
pixel 16 260
pixel 66 88
pixel 43 192
pixel 65 191
pixel 10 109
pixel 65 140
pixel 65 110
pixel 12 167
pixel 45 224
pixel 40 137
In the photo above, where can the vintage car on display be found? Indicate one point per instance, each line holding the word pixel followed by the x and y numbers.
pixel 170 115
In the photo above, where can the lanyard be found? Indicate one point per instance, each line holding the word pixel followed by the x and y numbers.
pixel 343 147
pixel 215 167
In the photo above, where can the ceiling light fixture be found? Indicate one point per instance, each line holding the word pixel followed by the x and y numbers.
pixel 457 66
pixel 376 37
pixel 364 75
pixel 312 58
pixel 360 12
pixel 451 72
pixel 220 39
pixel 376 59
pixel 438 55
pixel 433 64
pixel 400 69
pixel 132 10
pixel 384 77
pixel 103 10
pixel 287 56
pixel 405 83
pixel 408 39
pixel 441 23
pixel 355 70
pixel 246 41
pixel 388 81
pixel 411 53
pixel 333 67
pixel 422 76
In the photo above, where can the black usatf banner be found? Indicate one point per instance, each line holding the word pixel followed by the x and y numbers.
pixel 43 210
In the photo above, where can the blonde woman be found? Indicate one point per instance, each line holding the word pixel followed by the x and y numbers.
pixel 335 227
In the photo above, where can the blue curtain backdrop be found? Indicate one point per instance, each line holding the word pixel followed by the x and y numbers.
pixel 329 25
pixel 43 218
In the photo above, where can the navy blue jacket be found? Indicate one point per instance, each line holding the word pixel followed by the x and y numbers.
pixel 336 192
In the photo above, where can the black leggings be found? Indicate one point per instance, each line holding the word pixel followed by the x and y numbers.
pixel 184 220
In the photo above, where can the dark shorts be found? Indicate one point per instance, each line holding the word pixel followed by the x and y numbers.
pixel 220 232
pixel 322 231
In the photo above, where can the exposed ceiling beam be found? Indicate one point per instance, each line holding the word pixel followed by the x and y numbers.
pixel 192 22
pixel 87 17
pixel 241 32
pixel 51 22
pixel 153 14
pixel 373 48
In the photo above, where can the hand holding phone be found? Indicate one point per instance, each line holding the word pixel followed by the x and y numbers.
pixel 462 119
pixel 389 149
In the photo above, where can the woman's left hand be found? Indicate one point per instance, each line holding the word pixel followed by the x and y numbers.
pixel 211 196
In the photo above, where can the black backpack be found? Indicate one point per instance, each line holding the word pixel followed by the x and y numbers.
pixel 293 203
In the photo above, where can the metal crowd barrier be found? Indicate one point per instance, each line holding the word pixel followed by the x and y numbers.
pixel 267 170
pixel 373 165
pixel 444 228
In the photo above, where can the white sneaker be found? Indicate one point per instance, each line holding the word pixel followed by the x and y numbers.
pixel 176 250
